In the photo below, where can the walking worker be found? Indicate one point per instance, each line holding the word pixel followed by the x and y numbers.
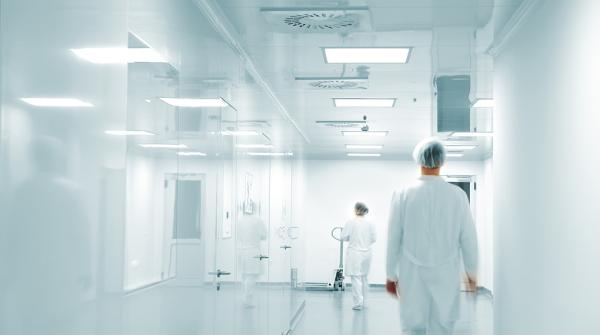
pixel 430 227
pixel 361 235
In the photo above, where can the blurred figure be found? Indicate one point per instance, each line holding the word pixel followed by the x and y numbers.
pixel 430 226
pixel 361 235
pixel 251 231
pixel 49 248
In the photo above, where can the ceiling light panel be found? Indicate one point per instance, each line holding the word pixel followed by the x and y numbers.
pixel 359 154
pixel 129 133
pixel 119 55
pixel 381 55
pixel 460 147
pixel 56 102
pixel 240 133
pixel 473 134
pixel 196 103
pixel 364 146
pixel 270 153
pixel 163 146
pixel 359 133
pixel 455 155
pixel 364 102
pixel 191 153
pixel 255 146
pixel 483 103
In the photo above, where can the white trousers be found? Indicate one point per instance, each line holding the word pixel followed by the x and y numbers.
pixel 248 285
pixel 360 285
pixel 433 326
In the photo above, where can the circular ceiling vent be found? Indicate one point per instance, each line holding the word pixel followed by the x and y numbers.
pixel 322 21
pixel 336 84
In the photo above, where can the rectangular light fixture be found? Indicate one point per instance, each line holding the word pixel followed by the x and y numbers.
pixel 364 146
pixel 270 153
pixel 364 102
pixel 163 146
pixel 459 147
pixel 239 133
pixel 455 155
pixel 56 102
pixel 196 103
pixel 119 55
pixel 483 103
pixel 367 55
pixel 129 133
pixel 360 133
pixel 191 153
pixel 359 154
pixel 473 134
pixel 255 146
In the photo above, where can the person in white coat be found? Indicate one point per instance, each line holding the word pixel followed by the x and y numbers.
pixel 361 234
pixel 251 232
pixel 430 228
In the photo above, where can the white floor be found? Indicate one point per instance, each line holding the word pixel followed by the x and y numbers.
pixel 169 310
pixel 331 313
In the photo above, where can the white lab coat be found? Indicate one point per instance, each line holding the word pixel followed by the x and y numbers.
pixel 361 234
pixel 251 231
pixel 430 226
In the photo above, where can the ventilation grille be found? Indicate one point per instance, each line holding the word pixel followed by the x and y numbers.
pixel 334 83
pixel 318 20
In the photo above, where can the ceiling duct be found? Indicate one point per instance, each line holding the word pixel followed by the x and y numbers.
pixel 318 19
pixel 342 123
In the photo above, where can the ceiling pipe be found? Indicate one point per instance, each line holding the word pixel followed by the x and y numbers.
pixel 223 27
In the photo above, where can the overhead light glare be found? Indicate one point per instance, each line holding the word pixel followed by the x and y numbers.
pixel 191 153
pixel 364 146
pixel 129 133
pixel 377 55
pixel 455 155
pixel 364 102
pixel 56 102
pixel 364 133
pixel 359 154
pixel 483 103
pixel 196 103
pixel 119 55
pixel 472 134
pixel 163 146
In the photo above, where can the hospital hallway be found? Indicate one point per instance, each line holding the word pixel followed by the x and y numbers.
pixel 299 167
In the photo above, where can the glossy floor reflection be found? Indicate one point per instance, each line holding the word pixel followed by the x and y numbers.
pixel 331 313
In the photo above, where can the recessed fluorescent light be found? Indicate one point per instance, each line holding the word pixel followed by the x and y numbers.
pixel 364 146
pixel 255 146
pixel 483 103
pixel 119 55
pixel 128 132
pixel 358 154
pixel 364 102
pixel 270 153
pixel 164 146
pixel 239 133
pixel 460 147
pixel 56 102
pixel 366 55
pixel 454 155
pixel 195 103
pixel 191 153
pixel 475 134
pixel 364 133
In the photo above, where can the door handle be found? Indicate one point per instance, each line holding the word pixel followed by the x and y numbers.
pixel 261 257
pixel 219 273
pixel 286 247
